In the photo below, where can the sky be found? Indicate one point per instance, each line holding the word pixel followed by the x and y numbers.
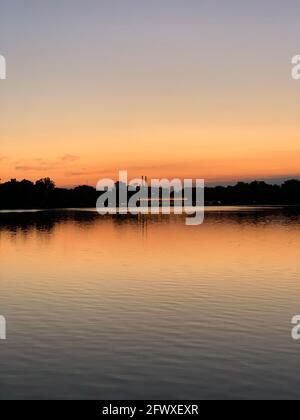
pixel 163 88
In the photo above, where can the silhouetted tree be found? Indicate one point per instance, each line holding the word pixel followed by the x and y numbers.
pixel 45 184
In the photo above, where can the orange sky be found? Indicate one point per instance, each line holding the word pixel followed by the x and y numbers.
pixel 182 92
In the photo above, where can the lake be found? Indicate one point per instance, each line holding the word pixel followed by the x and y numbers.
pixel 108 307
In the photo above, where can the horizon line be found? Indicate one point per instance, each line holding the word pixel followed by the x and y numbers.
pixel 211 183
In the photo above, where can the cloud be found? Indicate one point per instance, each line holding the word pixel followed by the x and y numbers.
pixel 33 168
pixel 39 164
pixel 69 158
pixel 77 173
pixel 84 172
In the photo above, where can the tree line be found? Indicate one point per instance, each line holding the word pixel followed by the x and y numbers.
pixel 43 194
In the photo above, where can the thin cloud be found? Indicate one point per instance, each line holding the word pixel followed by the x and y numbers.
pixel 83 172
pixel 29 168
pixel 69 158
pixel 39 164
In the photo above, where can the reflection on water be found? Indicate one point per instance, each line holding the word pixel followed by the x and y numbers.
pixel 146 307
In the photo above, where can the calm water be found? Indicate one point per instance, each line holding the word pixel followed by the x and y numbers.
pixel 106 307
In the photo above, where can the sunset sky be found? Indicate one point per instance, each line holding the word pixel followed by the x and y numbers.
pixel 175 88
